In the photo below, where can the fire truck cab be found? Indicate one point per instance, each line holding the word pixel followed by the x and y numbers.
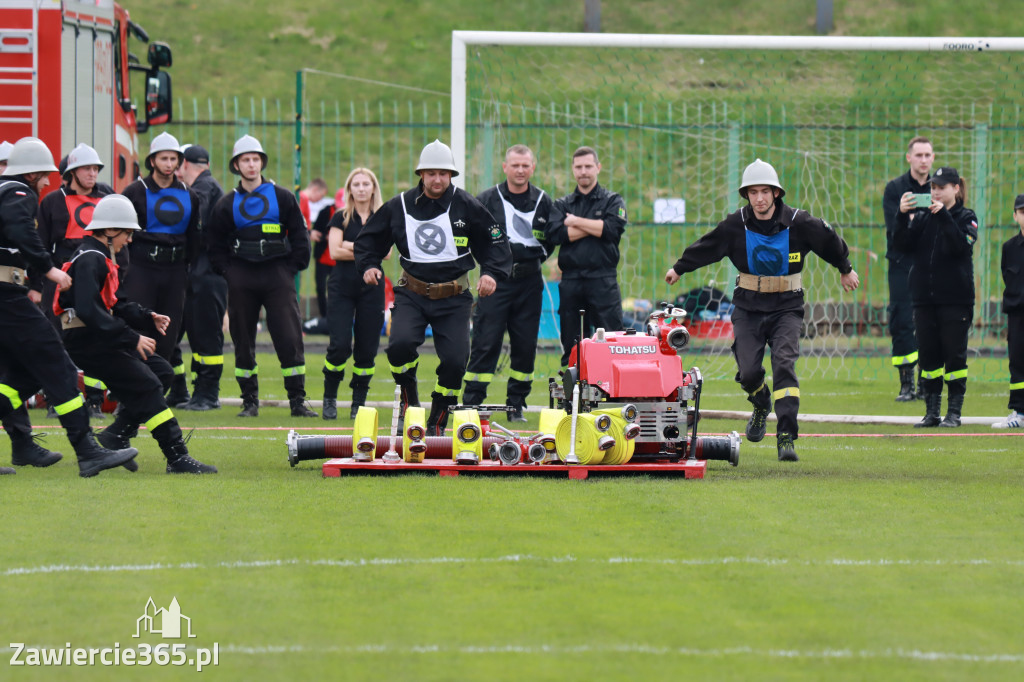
pixel 64 72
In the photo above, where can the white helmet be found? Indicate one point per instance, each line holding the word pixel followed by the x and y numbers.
pixel 246 144
pixel 5 150
pixel 116 212
pixel 760 173
pixel 82 155
pixel 437 156
pixel 164 142
pixel 29 155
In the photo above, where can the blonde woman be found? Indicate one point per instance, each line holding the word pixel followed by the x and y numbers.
pixel 354 308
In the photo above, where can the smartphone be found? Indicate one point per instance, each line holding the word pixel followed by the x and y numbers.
pixel 922 200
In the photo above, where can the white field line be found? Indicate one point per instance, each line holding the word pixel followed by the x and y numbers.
pixel 509 559
pixel 611 649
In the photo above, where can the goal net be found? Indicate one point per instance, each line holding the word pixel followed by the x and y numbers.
pixel 675 119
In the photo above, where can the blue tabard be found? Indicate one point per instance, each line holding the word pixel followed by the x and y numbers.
pixel 768 255
pixel 258 209
pixel 168 211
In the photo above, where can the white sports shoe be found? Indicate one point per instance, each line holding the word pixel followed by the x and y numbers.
pixel 1014 421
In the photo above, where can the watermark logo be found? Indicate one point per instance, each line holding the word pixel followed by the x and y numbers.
pixel 168 623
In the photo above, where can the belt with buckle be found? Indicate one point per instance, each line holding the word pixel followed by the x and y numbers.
pixel 524 269
pixel 166 254
pixel 434 290
pixel 13 275
pixel 769 284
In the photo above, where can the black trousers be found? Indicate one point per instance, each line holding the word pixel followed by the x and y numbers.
pixel 514 307
pixel 354 309
pixel 138 384
pixel 599 297
pixel 780 331
pixel 901 314
pixel 269 286
pixel 161 288
pixel 205 306
pixel 942 338
pixel 321 277
pixel 449 321
pixel 1015 353
pixel 41 364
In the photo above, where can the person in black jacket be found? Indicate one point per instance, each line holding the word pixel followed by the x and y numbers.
pixel 516 304
pixel 587 226
pixel 941 240
pixel 207 298
pixel 768 242
pixel 101 333
pixel 31 353
pixel 163 251
pixel 439 230
pixel 257 239
pixel 1012 265
pixel 901 309
pixel 353 306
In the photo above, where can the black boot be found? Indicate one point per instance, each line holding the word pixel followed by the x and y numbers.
pixel 437 421
pixel 932 405
pixel 360 389
pixel 178 395
pixel 475 393
pixel 786 448
pixel 26 451
pixel 906 384
pixel 92 458
pixel 206 391
pixel 118 436
pixel 94 402
pixel 6 471
pixel 954 405
pixel 410 398
pixel 514 414
pixel 919 394
pixel 179 461
pixel 761 399
pixel 295 386
pixel 250 396
pixel 332 380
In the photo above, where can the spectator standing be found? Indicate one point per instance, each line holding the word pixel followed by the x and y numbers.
pixel 1012 266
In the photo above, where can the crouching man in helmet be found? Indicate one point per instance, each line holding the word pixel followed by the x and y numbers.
pixel 768 242
pixel 100 335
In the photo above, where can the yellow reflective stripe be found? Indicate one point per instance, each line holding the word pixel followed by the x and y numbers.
pixel 11 395
pixel 910 359
pixel 293 371
pixel 93 383
pixel 953 376
pixel 69 406
pixel 363 371
pixel 931 373
pixel 179 369
pixel 335 368
pixel 520 376
pixel 1017 386
pixel 482 378
pixel 404 368
pixel 208 359
pixel 246 373
pixel 758 389
pixel 159 418
pixel 791 392
pixel 448 392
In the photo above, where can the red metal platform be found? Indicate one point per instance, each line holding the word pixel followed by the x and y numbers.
pixel 445 467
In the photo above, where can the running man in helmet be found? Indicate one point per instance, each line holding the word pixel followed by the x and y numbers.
pixel 258 240
pixel 31 352
pixel 115 339
pixel 441 232
pixel 768 242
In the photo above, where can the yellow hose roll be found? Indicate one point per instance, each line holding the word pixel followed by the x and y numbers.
pixel 549 419
pixel 623 450
pixel 467 435
pixel 414 417
pixel 365 431
pixel 587 436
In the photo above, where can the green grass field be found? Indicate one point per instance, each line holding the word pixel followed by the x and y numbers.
pixel 883 554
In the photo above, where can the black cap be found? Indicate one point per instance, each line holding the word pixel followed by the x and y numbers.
pixel 945 176
pixel 1018 202
pixel 196 154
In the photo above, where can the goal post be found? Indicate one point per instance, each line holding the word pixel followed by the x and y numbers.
pixel 676 118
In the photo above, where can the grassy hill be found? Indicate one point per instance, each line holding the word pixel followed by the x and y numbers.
pixel 252 49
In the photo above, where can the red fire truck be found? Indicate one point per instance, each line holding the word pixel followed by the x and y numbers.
pixel 64 75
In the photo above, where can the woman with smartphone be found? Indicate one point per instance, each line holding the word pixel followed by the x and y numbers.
pixel 941 237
